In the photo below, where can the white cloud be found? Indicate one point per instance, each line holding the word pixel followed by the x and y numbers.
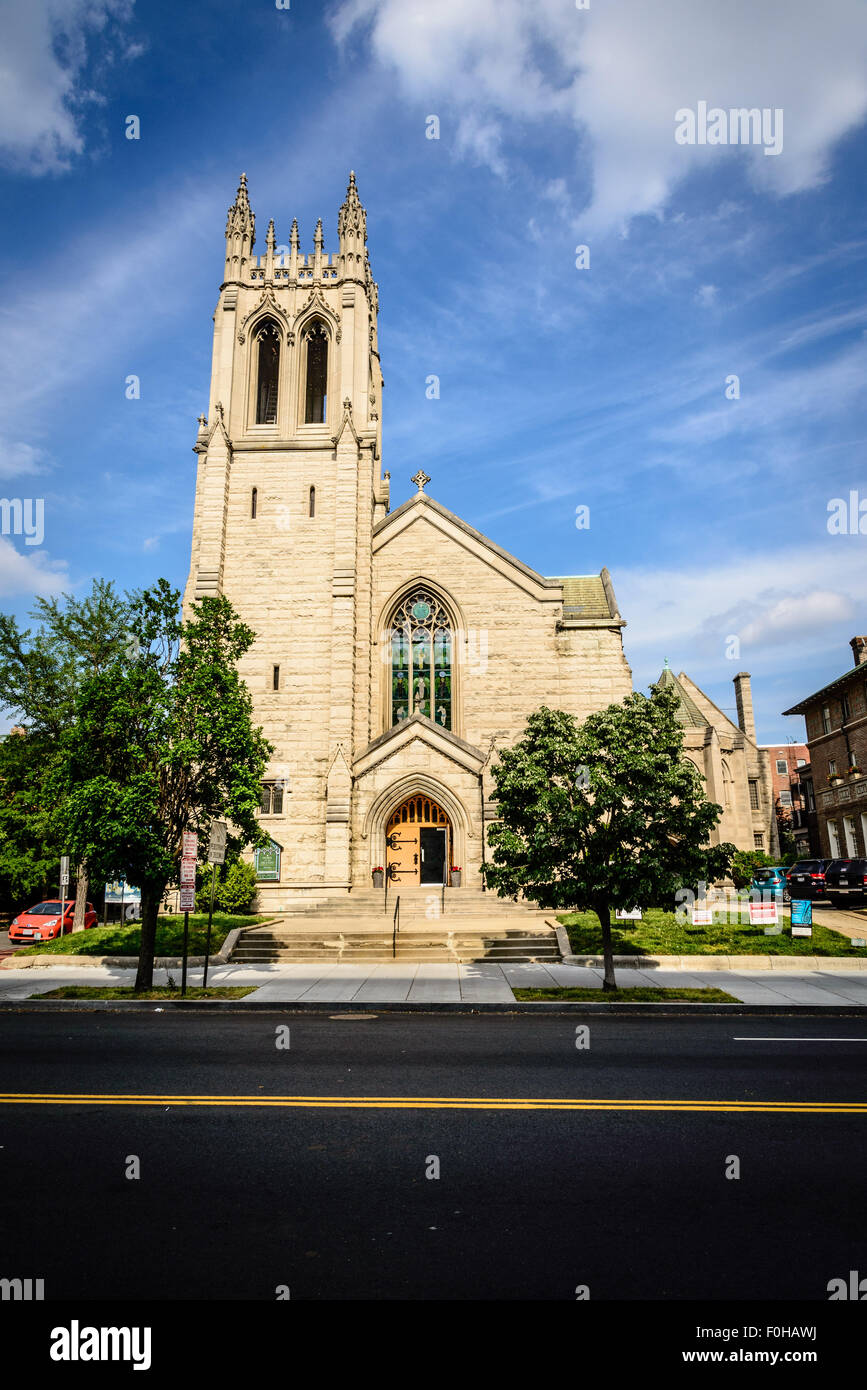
pixel 797 615
pixel 42 78
pixel 766 598
pixel 29 574
pixel 18 458
pixel 618 73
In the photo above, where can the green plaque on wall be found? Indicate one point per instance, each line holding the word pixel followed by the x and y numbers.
pixel 268 862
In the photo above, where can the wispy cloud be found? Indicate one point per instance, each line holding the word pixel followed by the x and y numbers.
pixel 617 74
pixel 44 90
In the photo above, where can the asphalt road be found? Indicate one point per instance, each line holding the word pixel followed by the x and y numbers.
pixel 236 1198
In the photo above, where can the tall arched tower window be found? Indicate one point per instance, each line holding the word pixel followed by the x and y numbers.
pixel 316 389
pixel 421 659
pixel 268 372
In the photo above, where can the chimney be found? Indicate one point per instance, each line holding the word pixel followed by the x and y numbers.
pixel 744 698
pixel 859 650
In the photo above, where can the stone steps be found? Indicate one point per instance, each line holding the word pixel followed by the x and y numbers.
pixel 364 946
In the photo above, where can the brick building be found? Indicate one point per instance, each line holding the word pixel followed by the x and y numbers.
pixel 836 719
pixel 790 782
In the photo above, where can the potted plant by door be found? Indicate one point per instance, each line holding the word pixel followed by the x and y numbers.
pixel 455 876
pixel 378 876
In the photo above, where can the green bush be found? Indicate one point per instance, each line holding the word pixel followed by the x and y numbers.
pixel 235 890
pixel 238 890
pixel 745 863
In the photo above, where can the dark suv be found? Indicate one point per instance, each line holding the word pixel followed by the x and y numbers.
pixel 846 882
pixel 807 878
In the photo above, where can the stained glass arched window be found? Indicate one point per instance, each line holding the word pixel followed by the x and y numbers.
pixel 421 659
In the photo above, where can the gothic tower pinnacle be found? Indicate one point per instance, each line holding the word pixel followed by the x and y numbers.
pixel 240 233
pixel 352 231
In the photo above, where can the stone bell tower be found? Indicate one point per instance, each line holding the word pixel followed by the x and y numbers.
pixel 288 490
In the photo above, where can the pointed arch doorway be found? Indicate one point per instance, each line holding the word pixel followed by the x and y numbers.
pixel 418 843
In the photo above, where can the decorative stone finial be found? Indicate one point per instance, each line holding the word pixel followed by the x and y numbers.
pixel 420 478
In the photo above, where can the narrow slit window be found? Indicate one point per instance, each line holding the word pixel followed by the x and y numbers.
pixel 254 502
pixel 312 505
pixel 275 677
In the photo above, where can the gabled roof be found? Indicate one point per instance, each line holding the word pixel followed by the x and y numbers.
pixel 688 713
pixel 419 726
pixel 586 597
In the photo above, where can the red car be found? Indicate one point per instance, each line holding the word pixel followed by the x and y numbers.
pixel 42 922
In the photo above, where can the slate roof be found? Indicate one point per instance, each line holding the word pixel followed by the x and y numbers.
pixel 583 596
pixel 688 713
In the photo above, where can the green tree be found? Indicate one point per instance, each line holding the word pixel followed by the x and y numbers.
pixel 606 814
pixel 41 674
pixel 163 742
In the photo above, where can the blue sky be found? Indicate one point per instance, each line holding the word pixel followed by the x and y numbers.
pixel 560 387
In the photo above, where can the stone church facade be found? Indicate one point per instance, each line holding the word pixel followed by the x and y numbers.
pixel 396 650
pixel 735 769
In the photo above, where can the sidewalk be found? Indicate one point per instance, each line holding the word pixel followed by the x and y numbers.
pixel 432 983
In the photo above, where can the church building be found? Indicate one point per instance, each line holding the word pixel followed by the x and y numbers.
pixel 396 648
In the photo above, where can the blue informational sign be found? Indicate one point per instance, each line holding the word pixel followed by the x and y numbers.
pixel 802 917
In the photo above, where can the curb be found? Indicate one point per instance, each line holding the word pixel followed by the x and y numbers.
pixel 705 963
pixel 564 1007
pixel 15 962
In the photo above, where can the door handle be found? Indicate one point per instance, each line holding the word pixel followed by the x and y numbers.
pixel 415 859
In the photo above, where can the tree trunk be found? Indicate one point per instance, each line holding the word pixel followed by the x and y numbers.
pixel 603 912
pixel 150 902
pixel 81 887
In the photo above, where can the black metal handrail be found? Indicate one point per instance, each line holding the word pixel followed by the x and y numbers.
pixel 395 927
pixel 443 900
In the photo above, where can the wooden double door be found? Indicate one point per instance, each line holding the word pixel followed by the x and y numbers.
pixel 418 843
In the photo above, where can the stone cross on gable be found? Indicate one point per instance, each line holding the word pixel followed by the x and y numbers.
pixel 420 478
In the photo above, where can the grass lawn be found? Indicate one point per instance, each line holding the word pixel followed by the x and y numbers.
pixel 661 934
pixel 126 940
pixel 158 992
pixel 636 995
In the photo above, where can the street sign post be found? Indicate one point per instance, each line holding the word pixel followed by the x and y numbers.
pixel 189 855
pixel 64 884
pixel 216 855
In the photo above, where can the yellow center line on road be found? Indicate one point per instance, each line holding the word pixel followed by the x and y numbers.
pixel 785 1107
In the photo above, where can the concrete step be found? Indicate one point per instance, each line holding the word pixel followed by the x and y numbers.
pixel 365 946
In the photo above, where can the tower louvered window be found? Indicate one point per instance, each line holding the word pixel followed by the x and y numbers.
pixel 268 366
pixel 316 348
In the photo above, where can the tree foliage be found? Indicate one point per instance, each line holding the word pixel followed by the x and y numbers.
pixel 162 741
pixel 606 814
pixel 41 674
